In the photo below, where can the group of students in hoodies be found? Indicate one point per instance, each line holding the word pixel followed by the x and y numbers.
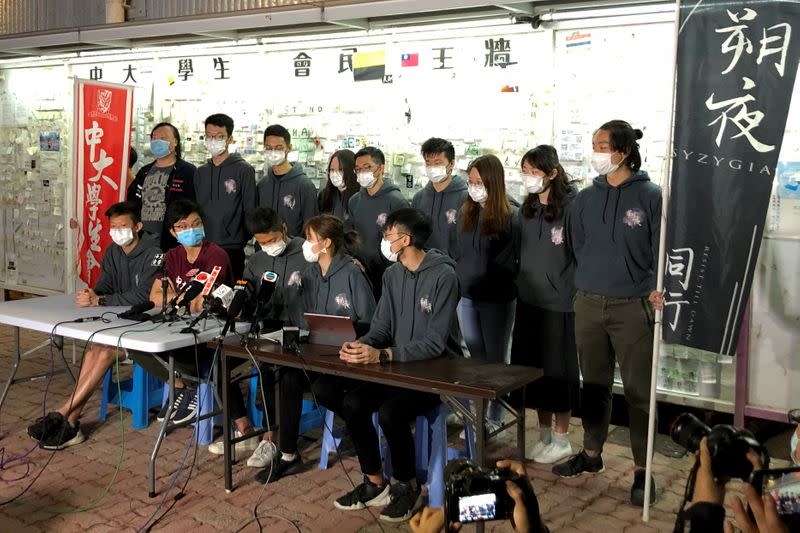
pixel 568 276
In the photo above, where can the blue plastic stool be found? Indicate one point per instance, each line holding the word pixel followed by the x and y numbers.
pixel 205 404
pixel 309 419
pixel 331 437
pixel 138 394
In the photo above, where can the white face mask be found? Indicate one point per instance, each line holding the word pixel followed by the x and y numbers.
pixel 215 147
pixel 121 236
pixel 275 157
pixel 478 193
pixel 274 248
pixel 601 163
pixel 366 179
pixel 309 255
pixel 533 184
pixel 337 178
pixel 436 174
pixel 386 250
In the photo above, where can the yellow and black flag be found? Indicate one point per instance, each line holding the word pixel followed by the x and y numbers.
pixel 369 65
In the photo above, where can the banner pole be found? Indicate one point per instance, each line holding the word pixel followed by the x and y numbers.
pixel 659 313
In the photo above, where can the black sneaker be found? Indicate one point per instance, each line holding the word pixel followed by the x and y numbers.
pixel 403 500
pixel 578 464
pixel 67 436
pixel 162 414
pixel 187 409
pixel 637 489
pixel 45 425
pixel 365 495
pixel 281 468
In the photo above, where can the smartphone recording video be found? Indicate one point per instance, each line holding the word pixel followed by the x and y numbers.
pixel 783 484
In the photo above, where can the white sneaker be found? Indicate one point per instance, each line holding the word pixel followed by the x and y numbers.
pixel 537 449
pixel 554 452
pixel 240 449
pixel 263 455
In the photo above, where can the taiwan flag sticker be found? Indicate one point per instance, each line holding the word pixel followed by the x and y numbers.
pixel 409 60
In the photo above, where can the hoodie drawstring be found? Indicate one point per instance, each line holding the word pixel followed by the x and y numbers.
pixel 605 204
pixel 614 222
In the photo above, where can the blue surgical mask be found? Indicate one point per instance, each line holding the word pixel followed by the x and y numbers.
pixel 159 148
pixel 191 237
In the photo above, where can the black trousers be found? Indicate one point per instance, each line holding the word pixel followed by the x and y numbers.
pixel 293 383
pixel 356 401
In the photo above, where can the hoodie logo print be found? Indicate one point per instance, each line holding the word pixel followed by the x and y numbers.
pixel 295 280
pixel 342 302
pixel 557 235
pixel 381 221
pixel 425 305
pixel 451 216
pixel 230 186
pixel 288 201
pixel 634 218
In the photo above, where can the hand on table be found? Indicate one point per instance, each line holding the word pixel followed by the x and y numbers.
pixel 86 298
pixel 359 353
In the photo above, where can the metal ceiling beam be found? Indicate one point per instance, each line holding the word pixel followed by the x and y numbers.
pixel 221 35
pixel 356 24
pixel 520 9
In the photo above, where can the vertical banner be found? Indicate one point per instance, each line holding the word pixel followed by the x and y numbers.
pixel 736 68
pixel 103 113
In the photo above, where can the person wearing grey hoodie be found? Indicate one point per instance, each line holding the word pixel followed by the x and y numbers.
pixel 614 228
pixel 413 322
pixel 443 196
pixel 285 187
pixel 127 273
pixel 544 325
pixel 369 208
pixel 225 188
pixel 333 284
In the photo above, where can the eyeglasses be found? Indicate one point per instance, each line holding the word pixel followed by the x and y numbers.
pixel 196 223
pixel 368 168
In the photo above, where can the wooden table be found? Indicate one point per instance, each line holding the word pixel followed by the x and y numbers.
pixel 452 378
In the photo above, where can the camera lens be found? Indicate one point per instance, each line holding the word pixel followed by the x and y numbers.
pixel 687 430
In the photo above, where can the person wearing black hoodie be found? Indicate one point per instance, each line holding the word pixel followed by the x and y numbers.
pixel 225 188
pixel 126 275
pixel 544 326
pixel 443 196
pixel 614 228
pixel 285 187
pixel 487 267
pixel 413 322
pixel 161 182
pixel 369 208
pixel 333 284
pixel 341 186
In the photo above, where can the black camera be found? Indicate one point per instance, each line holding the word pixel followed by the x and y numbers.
pixel 475 494
pixel 727 445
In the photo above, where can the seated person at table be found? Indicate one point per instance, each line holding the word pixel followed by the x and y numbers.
pixel 125 278
pixel 184 218
pixel 333 284
pixel 279 253
pixel 412 322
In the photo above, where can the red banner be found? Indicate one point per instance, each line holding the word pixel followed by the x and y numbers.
pixel 102 136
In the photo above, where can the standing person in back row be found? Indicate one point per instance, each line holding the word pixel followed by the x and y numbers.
pixel 614 225
pixel 443 196
pixel 369 208
pixel 285 187
pixel 225 188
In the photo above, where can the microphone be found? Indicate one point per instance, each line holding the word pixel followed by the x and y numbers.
pixel 224 295
pixel 194 290
pixel 269 282
pixel 181 289
pixel 135 312
pixel 242 292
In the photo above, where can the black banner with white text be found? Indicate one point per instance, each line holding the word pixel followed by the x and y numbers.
pixel 737 63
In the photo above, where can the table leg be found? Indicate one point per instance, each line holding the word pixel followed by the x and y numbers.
pixel 521 428
pixel 226 422
pixel 151 478
pixel 276 400
pixel 14 367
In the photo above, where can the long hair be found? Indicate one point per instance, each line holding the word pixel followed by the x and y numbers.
pixel 175 133
pixel 347 163
pixel 545 158
pixel 330 227
pixel 623 139
pixel 497 208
